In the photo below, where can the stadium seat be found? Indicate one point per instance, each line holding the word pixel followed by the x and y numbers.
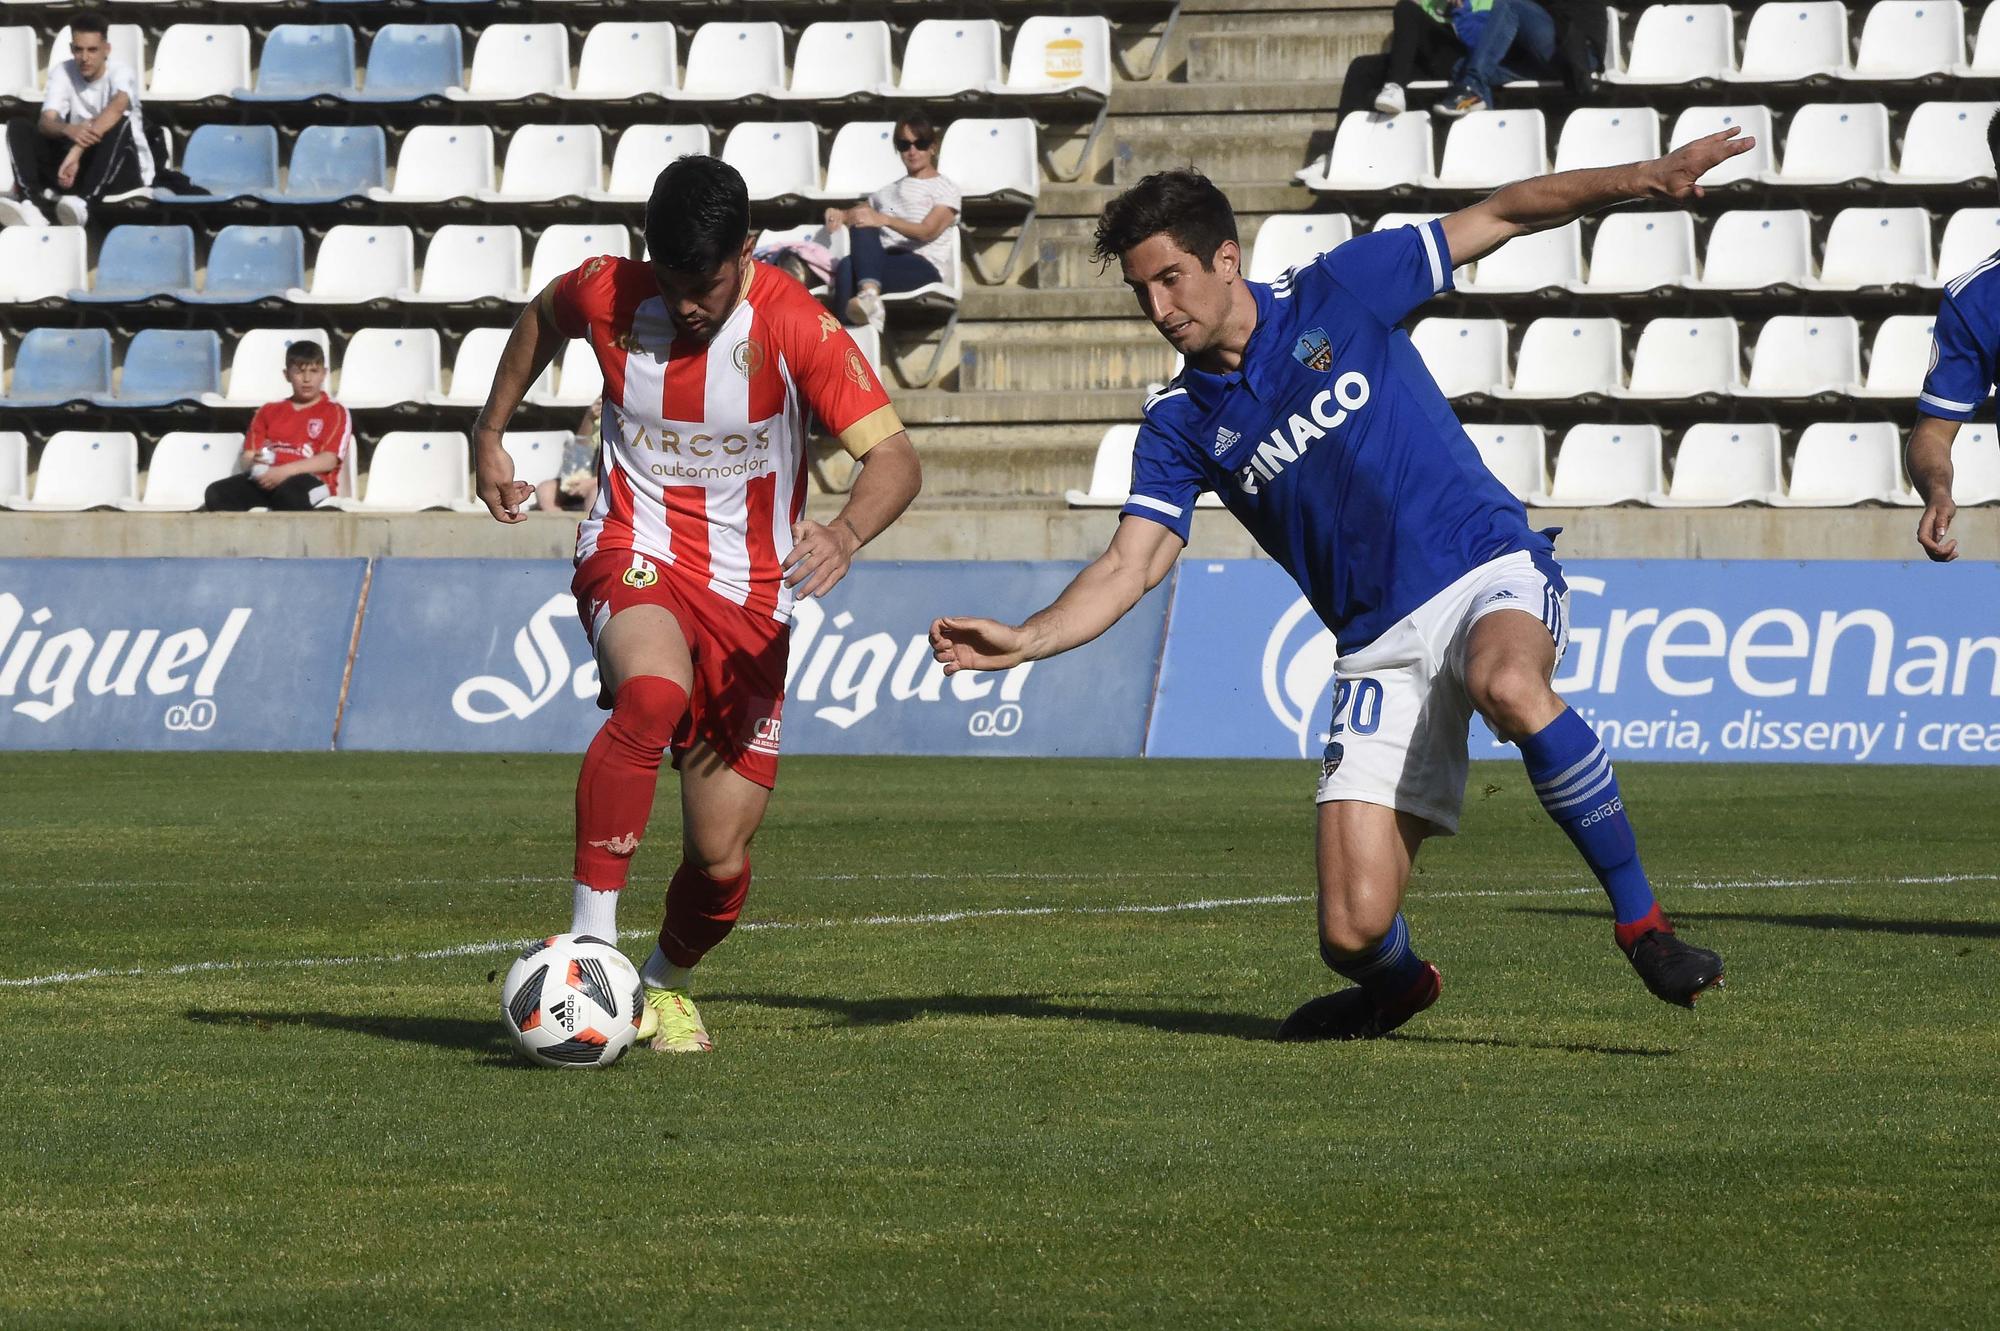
pixel 196 61
pixel 383 367
pixel 779 160
pixel 550 162
pixel 1605 464
pixel 1680 44
pixel 1795 39
pixel 301 61
pixel 1635 252
pixel 1805 355
pixel 868 341
pixel 1515 454
pixel 334 162
pixel 1878 247
pixel 1110 471
pixel 408 62
pixel 1536 262
pixel 82 469
pixel 1490 148
pixel 1562 357
pixel 625 60
pixel 949 57
pixel 1754 122
pixel 995 162
pixel 1684 358
pixel 469 263
pixel 947 292
pixel 643 151
pixel 727 62
pixel 1971 237
pixel 184 464
pixel 442 162
pixel 138 262
pixel 863 159
pixel 565 245
pixel 1286 240
pixel 1720 465
pixel 1975 465
pixel 41 263
pixel 836 62
pixel 1373 152
pixel 1899 359
pixel 56 365
pixel 1467 357
pixel 517 60
pixel 579 383
pixel 1944 143
pixel 248 263
pixel 1751 250
pixel 13 467
pixel 357 264
pixel 1070 57
pixel 1986 47
pixel 1832 143
pixel 1837 464
pixel 472 371
pixel 165 366
pixel 1607 136
pixel 21 68
pixel 414 470
pixel 1908 39
pixel 229 161
pixel 537 454
pixel 257 366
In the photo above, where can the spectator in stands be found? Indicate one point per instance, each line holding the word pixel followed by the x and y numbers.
pixel 901 238
pixel 1583 31
pixel 1422 45
pixel 89 140
pixel 294 451
pixel 1513 39
pixel 575 485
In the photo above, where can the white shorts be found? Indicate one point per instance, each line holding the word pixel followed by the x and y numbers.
pixel 1401 712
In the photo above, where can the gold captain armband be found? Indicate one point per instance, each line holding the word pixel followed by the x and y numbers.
pixel 870 430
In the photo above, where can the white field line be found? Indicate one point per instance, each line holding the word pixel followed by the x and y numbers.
pixel 954 917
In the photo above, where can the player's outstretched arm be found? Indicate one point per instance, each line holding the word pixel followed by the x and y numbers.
pixel 1138 558
pixel 1542 202
pixel 823 552
pixel 530 347
pixel 1930 472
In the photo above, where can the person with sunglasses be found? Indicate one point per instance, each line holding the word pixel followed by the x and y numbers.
pixel 900 239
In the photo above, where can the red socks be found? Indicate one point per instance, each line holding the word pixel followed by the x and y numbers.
pixel 621 769
pixel 700 912
pixel 1633 931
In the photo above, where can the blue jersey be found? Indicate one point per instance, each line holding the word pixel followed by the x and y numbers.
pixel 1333 444
pixel 1964 344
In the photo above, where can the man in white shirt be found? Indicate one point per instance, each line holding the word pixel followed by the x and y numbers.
pixel 89 140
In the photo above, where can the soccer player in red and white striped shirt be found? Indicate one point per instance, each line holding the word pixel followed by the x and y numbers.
pixel 714 367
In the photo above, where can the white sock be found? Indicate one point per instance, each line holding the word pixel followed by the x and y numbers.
pixel 594 913
pixel 659 973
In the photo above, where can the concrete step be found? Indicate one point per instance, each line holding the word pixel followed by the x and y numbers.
pixel 936 406
pixel 1062 357
pixel 1100 301
pixel 1221 99
pixel 1280 195
pixel 1316 54
pixel 1263 151
pixel 1010 463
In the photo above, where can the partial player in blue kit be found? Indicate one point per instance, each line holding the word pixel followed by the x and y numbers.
pixel 1306 409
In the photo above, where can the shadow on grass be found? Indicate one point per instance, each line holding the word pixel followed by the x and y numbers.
pixel 891 1011
pixel 1553 1046
pixel 1844 923
pixel 479 1037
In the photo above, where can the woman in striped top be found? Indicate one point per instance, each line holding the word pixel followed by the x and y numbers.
pixel 901 238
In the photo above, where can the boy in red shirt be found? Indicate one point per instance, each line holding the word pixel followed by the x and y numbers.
pixel 293 454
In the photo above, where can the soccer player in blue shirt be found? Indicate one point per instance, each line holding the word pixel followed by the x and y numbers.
pixel 1964 346
pixel 1304 406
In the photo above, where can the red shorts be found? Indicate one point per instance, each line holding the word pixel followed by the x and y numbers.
pixel 737 698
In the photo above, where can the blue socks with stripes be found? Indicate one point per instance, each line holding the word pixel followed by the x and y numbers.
pixel 1390 970
pixel 1572 775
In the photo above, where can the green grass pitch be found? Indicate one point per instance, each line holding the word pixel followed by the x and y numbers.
pixel 283 1098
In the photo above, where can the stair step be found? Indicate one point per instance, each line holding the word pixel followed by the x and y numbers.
pixel 1079 360
pixel 942 406
pixel 1319 57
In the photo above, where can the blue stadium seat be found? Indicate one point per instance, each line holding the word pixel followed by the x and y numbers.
pixel 248 263
pixel 410 61
pixel 302 61
pixel 229 161
pixel 333 162
pixel 141 261
pixel 57 365
pixel 164 366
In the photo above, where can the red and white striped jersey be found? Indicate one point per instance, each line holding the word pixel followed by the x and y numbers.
pixel 702 465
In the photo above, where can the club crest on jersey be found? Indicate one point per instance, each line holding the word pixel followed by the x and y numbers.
pixel 641 575
pixel 591 267
pixel 313 428
pixel 1225 439
pixel 1314 351
pixel 857 370
pixel 748 357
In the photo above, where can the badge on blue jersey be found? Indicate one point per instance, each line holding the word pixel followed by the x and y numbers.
pixel 1314 351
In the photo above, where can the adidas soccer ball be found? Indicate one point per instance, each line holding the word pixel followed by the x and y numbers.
pixel 571 1001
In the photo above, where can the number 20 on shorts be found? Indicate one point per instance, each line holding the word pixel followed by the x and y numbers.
pixel 1357 704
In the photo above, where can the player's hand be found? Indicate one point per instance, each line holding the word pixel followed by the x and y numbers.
pixel 1934 528
pixel 820 557
pixel 497 488
pixel 1677 175
pixel 977 644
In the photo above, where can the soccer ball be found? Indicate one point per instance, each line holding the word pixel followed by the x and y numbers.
pixel 571 1001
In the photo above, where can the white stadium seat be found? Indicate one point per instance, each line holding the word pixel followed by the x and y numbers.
pixel 1802 355
pixel 1907 39
pixel 1534 262
pixel 992 159
pixel 1683 358
pixel 472 370
pixel 1562 358
pixel 42 262
pixel 949 57
pixel 1053 54
pixel 257 367
pixel 566 244
pixel 200 60
pixel 623 60
pixel 551 162
pixel 1464 356
pixel 778 159
pixel 862 160
pixel 1605 464
pixel 1975 465
pixel 1515 454
pixel 1607 136
pixel 838 61
pixel 1679 44
pixel 1641 252
pixel 580 380
pixel 727 62
pixel 413 470
pixel 1110 472
pixel 643 151
pixel 1900 358
pixel 1986 47
pixel 1795 39
pixel 383 367
pixel 537 454
pixel 466 262
pixel 1878 247
pixel 440 162
pixel 1750 250
pixel 83 469
pixel 1754 122
pixel 1970 238
pixel 1491 148
pixel 21 64
pixel 1944 143
pixel 1375 152
pixel 1832 143
pixel 1286 240
pixel 515 60
pixel 184 464
pixel 13 467
pixel 1720 465
pixel 356 264
pixel 1837 464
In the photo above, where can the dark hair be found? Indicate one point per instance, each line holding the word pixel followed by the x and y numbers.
pixel 698 216
pixel 1185 205
pixel 1993 138
pixel 305 351
pixel 90 22
pixel 918 124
